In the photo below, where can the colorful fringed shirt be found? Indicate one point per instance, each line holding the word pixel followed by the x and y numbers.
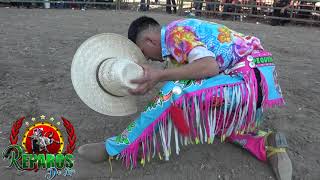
pixel 180 38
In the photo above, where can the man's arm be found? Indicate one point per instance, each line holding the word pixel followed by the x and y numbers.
pixel 200 68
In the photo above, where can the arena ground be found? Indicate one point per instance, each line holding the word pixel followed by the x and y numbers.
pixel 36 51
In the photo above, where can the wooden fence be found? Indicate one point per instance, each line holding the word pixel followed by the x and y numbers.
pixel 241 10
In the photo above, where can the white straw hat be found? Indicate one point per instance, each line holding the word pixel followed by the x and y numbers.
pixel 101 71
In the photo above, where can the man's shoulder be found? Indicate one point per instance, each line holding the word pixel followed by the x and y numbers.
pixel 191 22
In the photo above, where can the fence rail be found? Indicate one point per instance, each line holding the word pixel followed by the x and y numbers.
pixel 240 10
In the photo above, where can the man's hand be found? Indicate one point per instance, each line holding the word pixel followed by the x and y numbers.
pixel 150 78
pixel 199 69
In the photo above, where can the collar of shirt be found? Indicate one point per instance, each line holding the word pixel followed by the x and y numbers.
pixel 164 51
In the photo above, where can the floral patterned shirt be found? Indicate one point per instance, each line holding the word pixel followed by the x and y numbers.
pixel 179 37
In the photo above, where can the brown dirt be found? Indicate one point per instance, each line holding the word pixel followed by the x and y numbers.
pixel 36 50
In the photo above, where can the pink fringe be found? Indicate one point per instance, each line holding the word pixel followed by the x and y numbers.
pixel 200 130
pixel 273 103
pixel 131 152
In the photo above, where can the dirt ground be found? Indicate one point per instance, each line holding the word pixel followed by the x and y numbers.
pixel 36 51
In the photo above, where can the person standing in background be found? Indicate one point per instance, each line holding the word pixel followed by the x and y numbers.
pixel 169 7
pixel 283 12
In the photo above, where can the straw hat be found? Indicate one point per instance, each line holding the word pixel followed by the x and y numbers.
pixel 101 71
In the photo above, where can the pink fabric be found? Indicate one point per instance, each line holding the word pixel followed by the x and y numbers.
pixel 253 143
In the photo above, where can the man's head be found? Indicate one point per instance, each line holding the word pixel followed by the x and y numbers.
pixel 146 33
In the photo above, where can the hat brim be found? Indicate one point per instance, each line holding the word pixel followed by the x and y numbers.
pixel 83 72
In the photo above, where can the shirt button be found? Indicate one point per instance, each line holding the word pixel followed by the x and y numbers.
pixel 252 64
pixel 176 90
pixel 250 58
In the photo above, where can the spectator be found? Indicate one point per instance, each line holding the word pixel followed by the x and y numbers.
pixel 17 4
pixel 169 8
pixel 254 9
pixel 305 5
pixel 209 6
pixel 227 8
pixel 198 7
pixel 283 12
pixel 144 6
pixel 82 5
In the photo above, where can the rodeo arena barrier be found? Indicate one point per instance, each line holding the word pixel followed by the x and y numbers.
pixel 275 12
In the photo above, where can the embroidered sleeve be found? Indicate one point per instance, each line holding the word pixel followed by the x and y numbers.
pixel 198 53
pixel 180 41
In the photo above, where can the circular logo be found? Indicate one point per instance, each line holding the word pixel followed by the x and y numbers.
pixel 42 138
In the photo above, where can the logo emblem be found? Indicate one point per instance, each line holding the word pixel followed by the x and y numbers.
pixel 42 146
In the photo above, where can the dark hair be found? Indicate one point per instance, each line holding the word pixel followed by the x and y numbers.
pixel 139 25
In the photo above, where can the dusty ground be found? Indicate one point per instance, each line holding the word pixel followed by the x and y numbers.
pixel 36 50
